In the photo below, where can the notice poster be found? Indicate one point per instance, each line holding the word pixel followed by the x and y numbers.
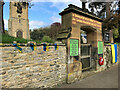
pixel 100 47
pixel 74 47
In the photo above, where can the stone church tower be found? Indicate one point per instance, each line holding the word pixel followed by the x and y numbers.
pixel 18 23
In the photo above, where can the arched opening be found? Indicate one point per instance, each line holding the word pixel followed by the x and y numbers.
pixel 87 41
pixel 19 34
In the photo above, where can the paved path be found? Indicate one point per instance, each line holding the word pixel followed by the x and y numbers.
pixel 104 79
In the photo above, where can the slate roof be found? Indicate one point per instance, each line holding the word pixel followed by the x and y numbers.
pixel 78 10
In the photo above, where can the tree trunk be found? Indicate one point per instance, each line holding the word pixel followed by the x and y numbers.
pixel 1 17
pixel 108 14
pixel 119 18
pixel 108 9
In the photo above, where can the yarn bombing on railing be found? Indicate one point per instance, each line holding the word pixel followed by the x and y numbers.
pixel 33 46
pixel 45 47
pixel 56 46
pixel 18 47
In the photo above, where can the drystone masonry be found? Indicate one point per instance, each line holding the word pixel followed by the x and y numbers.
pixel 108 56
pixel 41 69
pixel 33 69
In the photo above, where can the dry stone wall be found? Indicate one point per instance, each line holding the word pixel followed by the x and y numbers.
pixel 108 56
pixel 40 69
pixel 33 69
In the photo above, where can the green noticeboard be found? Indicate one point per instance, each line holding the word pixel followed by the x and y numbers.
pixel 73 47
pixel 100 47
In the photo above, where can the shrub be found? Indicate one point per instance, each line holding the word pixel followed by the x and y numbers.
pixel 115 33
pixel 47 39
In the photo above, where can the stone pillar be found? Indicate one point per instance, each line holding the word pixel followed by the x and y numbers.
pixel 74 66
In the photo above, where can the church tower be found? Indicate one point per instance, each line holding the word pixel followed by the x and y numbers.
pixel 18 23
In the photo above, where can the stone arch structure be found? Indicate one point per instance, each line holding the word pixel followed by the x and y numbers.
pixel 74 20
pixel 19 34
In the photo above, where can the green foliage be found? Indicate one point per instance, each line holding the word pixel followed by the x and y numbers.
pixel 47 39
pixel 115 33
pixel 37 34
pixel 9 39
pixel 51 31
pixel 118 43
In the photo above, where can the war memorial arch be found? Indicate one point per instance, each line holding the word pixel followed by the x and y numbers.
pixel 45 65
pixel 81 56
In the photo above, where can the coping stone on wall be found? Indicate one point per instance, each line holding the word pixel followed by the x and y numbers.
pixel 26 44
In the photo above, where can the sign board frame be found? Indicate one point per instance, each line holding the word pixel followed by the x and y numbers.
pixel 71 53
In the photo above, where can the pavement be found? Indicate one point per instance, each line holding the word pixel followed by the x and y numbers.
pixel 104 79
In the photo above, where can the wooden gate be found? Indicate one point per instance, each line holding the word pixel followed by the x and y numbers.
pixel 86 56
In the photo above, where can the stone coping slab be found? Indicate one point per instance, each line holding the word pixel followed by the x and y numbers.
pixel 26 44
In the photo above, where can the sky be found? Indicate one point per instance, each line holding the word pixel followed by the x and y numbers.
pixel 43 13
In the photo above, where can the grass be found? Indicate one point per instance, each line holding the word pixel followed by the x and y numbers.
pixel 9 39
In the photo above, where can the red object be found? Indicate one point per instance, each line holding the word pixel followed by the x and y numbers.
pixel 101 61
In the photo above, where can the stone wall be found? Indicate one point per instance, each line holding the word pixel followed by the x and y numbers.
pixel 108 56
pixel 42 69
pixel 33 69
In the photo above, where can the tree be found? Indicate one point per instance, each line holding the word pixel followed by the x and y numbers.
pixel 1 17
pixel 119 17
pixel 99 8
pixel 51 31
pixel 55 28
pixel 47 39
pixel 108 12
pixel 37 34
pixel 115 33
